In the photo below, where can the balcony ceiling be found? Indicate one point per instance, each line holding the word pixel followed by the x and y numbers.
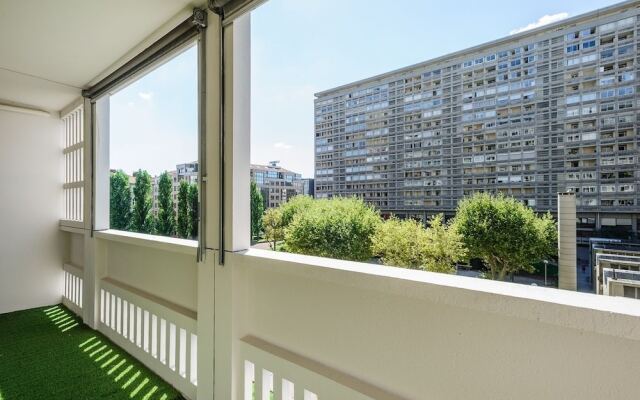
pixel 50 50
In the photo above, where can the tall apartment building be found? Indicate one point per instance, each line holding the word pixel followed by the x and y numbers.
pixel 549 110
pixel 276 184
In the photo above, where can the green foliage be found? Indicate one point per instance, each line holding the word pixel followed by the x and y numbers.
pixel 406 243
pixel 337 228
pixel 293 207
pixel 257 209
pixel 194 204
pixel 166 224
pixel 273 226
pixel 119 201
pixel 184 222
pixel 504 233
pixel 400 243
pixel 444 246
pixel 276 220
pixel 142 220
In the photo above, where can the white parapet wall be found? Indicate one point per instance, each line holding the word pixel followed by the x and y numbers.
pixel 316 326
pixel 567 273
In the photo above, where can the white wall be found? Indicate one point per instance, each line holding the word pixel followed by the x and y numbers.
pixel 30 204
pixel 418 335
pixel 168 275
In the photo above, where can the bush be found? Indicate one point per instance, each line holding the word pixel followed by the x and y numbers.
pixel 338 228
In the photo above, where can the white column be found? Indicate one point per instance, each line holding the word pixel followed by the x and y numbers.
pixel 567 276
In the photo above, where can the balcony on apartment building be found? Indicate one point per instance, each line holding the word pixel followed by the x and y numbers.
pixel 90 312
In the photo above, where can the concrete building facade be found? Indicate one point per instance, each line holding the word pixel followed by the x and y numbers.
pixel 550 110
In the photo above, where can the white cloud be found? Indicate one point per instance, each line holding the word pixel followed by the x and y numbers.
pixel 145 95
pixel 282 145
pixel 544 20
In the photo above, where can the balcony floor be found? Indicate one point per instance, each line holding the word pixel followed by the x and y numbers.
pixel 47 353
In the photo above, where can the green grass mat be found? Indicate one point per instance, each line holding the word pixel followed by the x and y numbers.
pixel 48 353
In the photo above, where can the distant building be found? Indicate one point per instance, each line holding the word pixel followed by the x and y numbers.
pixel 616 267
pixel 551 110
pixel 183 172
pixel 308 187
pixel 188 172
pixel 276 183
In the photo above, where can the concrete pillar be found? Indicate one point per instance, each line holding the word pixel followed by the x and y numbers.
pixel 567 273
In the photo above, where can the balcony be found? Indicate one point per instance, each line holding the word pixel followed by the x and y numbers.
pixel 214 318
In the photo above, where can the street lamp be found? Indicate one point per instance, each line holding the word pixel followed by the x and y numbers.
pixel 546 262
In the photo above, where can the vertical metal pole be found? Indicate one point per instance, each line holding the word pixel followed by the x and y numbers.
pixel 220 12
pixel 202 136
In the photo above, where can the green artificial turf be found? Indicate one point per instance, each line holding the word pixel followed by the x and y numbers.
pixel 48 353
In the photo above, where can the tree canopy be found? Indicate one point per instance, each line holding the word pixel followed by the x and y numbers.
pixel 183 227
pixel 406 243
pixel 166 224
pixel 194 204
pixel 504 233
pixel 257 210
pixel 142 220
pixel 400 243
pixel 337 228
pixel 119 201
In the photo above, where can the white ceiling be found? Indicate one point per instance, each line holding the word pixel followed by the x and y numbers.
pixel 50 50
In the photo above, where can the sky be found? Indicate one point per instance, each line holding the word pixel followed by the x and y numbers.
pixel 154 120
pixel 301 47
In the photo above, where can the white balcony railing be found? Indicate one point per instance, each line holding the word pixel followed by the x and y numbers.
pixel 161 337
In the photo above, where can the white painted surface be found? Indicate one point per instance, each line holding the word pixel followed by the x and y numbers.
pixel 419 335
pixel 65 44
pixel 30 241
pixel 167 274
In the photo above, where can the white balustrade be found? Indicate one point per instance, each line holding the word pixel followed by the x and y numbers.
pixel 271 373
pixel 158 334
pixel 73 282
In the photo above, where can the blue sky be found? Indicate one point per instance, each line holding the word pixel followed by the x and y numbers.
pixel 154 121
pixel 300 47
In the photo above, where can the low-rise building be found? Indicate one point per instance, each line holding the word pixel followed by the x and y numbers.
pixel 276 184
pixel 617 269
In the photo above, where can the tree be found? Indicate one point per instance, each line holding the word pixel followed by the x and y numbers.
pixel 400 243
pixel 444 246
pixel 406 243
pixel 142 220
pixel 294 206
pixel 194 205
pixel 184 222
pixel 166 224
pixel 257 210
pixel 338 228
pixel 119 201
pixel 504 233
pixel 273 226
